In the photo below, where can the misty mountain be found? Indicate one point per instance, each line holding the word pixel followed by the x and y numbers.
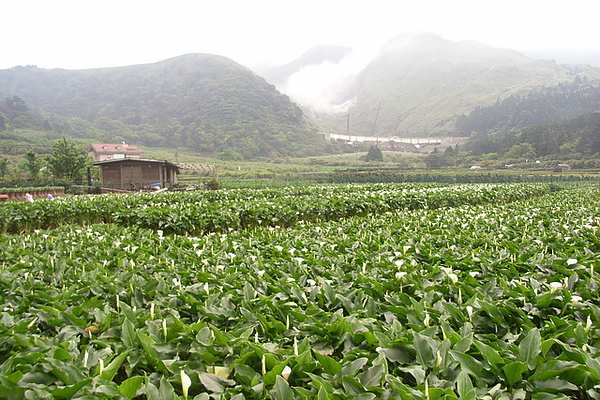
pixel 204 102
pixel 567 56
pixel 418 84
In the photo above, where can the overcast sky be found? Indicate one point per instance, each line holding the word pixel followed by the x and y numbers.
pixel 76 34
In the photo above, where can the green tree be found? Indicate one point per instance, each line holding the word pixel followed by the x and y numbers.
pixel 32 164
pixel 67 161
pixel 229 155
pixel 521 150
pixel 374 154
pixel 435 159
pixel 3 167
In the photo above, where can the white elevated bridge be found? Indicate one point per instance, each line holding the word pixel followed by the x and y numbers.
pixel 414 141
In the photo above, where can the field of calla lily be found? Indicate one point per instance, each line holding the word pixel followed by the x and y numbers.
pixel 330 292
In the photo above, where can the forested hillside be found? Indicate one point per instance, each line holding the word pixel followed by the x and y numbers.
pixel 565 100
pixel 569 139
pixel 419 84
pixel 203 102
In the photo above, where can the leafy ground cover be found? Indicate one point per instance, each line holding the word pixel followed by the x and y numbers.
pixel 221 211
pixel 494 300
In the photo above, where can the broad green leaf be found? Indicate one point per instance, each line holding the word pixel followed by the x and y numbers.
pixel 211 383
pixel 490 355
pixel 128 312
pixel 468 363
pixel 330 366
pixel 425 351
pixel 249 292
pixel 322 394
pixel 352 385
pixel 321 383
pixel 464 386
pixel 69 391
pixel 417 372
pixel 111 369
pixel 514 372
pixel 128 333
pixel 282 390
pixel 372 376
pixel 529 348
pixel 244 373
pixel 270 377
pixel 151 353
pixel 130 386
pixel 166 390
pixel 493 312
pixel 353 367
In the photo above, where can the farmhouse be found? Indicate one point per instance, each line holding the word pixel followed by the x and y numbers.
pixel 137 173
pixel 113 151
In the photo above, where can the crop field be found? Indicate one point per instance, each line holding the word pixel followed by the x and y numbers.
pixel 383 291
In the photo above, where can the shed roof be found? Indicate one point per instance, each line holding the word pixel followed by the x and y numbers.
pixel 111 148
pixel 137 160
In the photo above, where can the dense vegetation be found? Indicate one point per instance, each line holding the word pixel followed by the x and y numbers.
pixel 201 102
pixel 488 301
pixel 220 211
pixel 535 108
pixel 575 140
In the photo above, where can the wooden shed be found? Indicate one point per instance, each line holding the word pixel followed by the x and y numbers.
pixel 137 173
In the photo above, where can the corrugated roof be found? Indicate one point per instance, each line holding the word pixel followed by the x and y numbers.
pixel 138 160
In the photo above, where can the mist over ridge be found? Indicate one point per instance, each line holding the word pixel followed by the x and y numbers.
pixel 416 83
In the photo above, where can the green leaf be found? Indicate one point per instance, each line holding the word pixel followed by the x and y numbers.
pixel 112 368
pixel 128 312
pixel 322 394
pixel 352 386
pixel 372 376
pixel 211 383
pixel 353 367
pixel 468 363
pixel 330 366
pixel 464 386
pixel 493 312
pixel 320 382
pixel 417 372
pixel 282 390
pixel 249 292
pixel 128 333
pixel 425 351
pixel 130 386
pixel 166 391
pixel 514 372
pixel 529 348
pixel 151 353
pixel 490 355
pixel 69 391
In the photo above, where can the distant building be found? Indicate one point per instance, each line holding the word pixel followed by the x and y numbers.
pixel 137 173
pixel 562 168
pixel 113 151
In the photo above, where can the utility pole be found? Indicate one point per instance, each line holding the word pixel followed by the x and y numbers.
pixel 348 128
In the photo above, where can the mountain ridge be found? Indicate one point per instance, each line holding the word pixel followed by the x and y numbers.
pixel 419 83
pixel 206 102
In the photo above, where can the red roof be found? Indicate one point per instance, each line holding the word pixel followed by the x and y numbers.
pixel 112 148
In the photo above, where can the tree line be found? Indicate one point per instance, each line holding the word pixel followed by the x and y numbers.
pixel 65 162
pixel 566 100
